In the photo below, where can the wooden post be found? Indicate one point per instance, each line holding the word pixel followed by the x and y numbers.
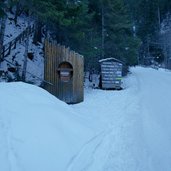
pixel 20 38
pixel 3 52
pixel 9 48
pixel 15 43
pixel 25 60
pixel 2 31
pixel 23 35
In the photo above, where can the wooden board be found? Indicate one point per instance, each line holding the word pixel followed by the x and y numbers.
pixel 69 91
pixel 111 73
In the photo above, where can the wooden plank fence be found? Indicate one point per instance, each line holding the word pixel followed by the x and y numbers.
pixel 64 69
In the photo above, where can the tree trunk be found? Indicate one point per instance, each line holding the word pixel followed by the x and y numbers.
pixel 25 60
pixel 16 13
pixel 2 32
pixel 38 33
pixel 159 17
pixel 103 32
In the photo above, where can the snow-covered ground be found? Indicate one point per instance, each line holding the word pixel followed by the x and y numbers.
pixel 126 130
pixel 38 132
pixel 12 30
pixel 35 67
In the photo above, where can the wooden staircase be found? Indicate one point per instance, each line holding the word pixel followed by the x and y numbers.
pixel 6 49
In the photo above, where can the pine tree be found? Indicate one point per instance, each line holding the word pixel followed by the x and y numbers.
pixel 148 16
pixel 1 9
pixel 117 38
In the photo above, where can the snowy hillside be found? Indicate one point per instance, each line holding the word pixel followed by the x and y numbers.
pixel 16 57
pixel 37 131
pixel 126 130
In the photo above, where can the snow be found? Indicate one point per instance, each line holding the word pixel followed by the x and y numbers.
pixel 35 67
pixel 126 130
pixel 156 110
pixel 12 30
pixel 110 59
pixel 134 124
pixel 166 24
pixel 38 132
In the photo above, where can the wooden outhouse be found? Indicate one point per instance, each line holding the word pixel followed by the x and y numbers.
pixel 111 73
pixel 64 73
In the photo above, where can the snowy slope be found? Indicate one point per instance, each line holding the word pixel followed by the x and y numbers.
pixel 37 131
pixel 126 130
pixel 12 30
pixel 35 67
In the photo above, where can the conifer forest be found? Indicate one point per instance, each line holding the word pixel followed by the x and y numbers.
pixel 128 30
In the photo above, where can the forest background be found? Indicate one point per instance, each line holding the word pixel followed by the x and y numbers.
pixel 123 29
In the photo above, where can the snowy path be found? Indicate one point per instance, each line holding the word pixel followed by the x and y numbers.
pixel 156 114
pixel 126 130
pixel 134 129
pixel 3 145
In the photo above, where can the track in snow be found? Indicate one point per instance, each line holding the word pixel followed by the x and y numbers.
pixel 120 146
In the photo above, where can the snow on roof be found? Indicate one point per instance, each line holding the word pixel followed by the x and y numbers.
pixel 110 59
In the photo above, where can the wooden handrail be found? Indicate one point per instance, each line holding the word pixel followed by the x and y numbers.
pixel 6 49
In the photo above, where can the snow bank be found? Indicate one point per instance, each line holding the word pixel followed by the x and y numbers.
pixel 133 131
pixel 135 125
pixel 155 109
pixel 37 131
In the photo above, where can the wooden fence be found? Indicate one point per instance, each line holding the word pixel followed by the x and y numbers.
pixel 64 70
